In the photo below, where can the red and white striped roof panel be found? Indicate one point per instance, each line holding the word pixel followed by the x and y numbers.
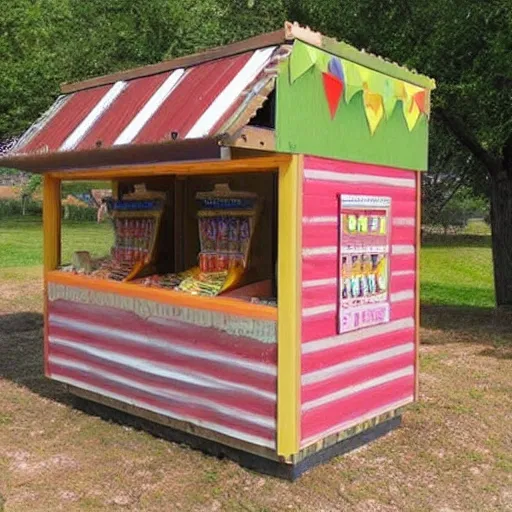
pixel 193 102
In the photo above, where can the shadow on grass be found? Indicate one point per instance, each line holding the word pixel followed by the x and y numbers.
pixel 468 324
pixel 456 241
pixel 21 355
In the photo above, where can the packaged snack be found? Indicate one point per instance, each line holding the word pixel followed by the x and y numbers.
pixel 222 234
pixel 234 234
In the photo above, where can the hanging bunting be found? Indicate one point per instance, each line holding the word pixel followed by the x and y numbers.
pixel 336 69
pixel 353 82
pixel 389 97
pixel 376 81
pixel 411 113
pixel 374 109
pixel 302 58
pixel 400 90
pixel 420 99
pixel 410 107
pixel 333 88
pixel 364 74
pixel 322 61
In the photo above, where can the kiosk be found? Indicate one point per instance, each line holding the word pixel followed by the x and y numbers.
pixel 261 297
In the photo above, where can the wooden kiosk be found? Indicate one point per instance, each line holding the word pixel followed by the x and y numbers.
pixel 285 166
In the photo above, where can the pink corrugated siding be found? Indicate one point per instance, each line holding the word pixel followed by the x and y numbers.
pixel 334 393
pixel 197 374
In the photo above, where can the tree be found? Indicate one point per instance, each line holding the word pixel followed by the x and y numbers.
pixel 466 46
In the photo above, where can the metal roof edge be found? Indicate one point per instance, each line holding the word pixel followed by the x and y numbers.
pixel 170 151
pixel 346 51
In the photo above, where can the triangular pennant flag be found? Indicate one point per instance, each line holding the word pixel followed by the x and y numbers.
pixel 364 74
pixel 410 107
pixel 333 88
pixel 301 59
pixel 400 90
pixel 336 69
pixel 389 97
pixel 420 99
pixel 314 53
pixel 376 82
pixel 373 107
pixel 322 61
pixel 411 113
pixel 353 82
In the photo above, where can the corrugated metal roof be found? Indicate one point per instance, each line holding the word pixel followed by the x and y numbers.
pixel 184 103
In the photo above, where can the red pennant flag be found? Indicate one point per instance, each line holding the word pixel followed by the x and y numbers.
pixel 333 88
pixel 420 98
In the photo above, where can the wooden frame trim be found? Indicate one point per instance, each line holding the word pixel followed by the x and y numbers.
pixel 332 439
pixel 225 305
pixel 417 309
pixel 264 163
pixel 253 137
pixel 253 43
pixel 289 312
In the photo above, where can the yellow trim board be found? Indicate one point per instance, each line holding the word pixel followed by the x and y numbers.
pixel 51 223
pixel 289 312
pixel 226 305
pixel 264 163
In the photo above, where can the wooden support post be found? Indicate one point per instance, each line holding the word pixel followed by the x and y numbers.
pixel 289 277
pixel 417 294
pixel 51 244
pixel 51 223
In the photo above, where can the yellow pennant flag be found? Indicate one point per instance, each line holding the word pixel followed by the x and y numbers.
pixel 410 106
pixel 374 109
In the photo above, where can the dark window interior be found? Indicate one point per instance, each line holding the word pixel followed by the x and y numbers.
pixel 265 116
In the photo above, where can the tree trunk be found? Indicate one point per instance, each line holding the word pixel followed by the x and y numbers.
pixel 501 225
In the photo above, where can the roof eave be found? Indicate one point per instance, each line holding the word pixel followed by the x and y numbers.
pixel 125 155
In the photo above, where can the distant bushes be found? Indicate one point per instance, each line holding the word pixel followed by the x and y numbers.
pixel 14 208
pixel 79 213
pixel 74 213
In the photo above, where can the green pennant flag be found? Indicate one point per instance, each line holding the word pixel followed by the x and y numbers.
pixel 302 58
pixel 389 97
pixel 353 82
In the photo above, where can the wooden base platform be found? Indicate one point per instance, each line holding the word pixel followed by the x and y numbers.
pixel 260 463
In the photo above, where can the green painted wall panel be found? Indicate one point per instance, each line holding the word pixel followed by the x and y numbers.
pixel 304 125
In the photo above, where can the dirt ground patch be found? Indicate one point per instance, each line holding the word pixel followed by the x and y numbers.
pixel 453 451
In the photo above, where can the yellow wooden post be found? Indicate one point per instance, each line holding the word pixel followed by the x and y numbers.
pixel 289 275
pixel 51 223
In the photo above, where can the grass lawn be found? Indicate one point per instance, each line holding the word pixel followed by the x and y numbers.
pixel 453 451
pixel 454 271
pixel 21 240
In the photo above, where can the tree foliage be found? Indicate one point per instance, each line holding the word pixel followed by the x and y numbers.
pixel 464 44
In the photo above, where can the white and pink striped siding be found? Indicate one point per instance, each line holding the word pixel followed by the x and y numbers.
pixel 350 378
pixel 195 373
